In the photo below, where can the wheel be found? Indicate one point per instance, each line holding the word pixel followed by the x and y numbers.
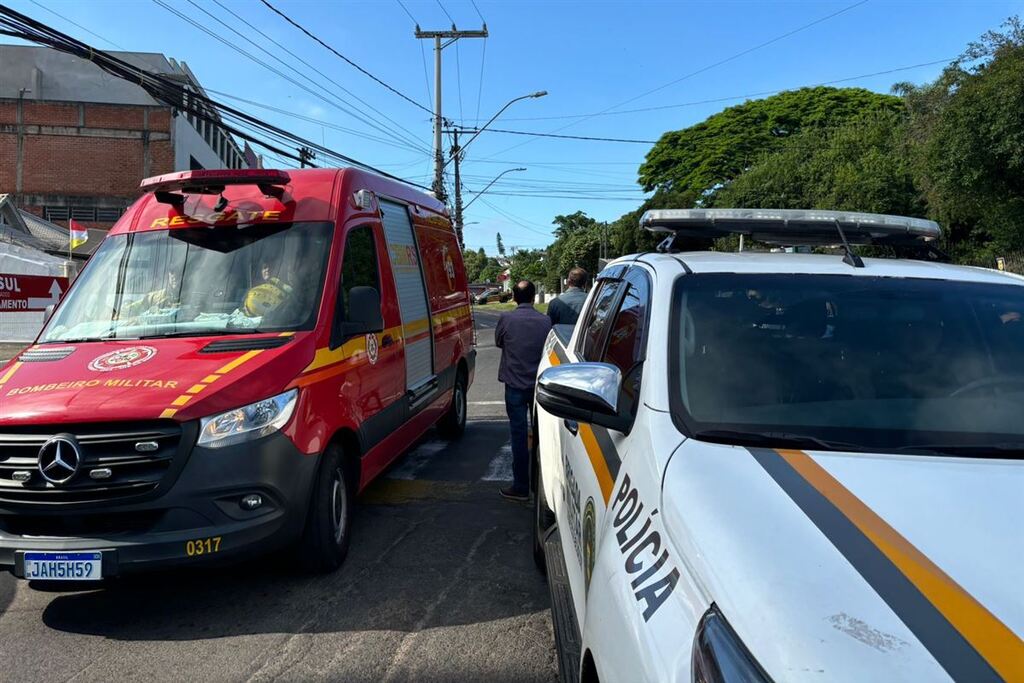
pixel 453 424
pixel 543 519
pixel 325 540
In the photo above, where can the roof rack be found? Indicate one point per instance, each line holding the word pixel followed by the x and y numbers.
pixel 795 227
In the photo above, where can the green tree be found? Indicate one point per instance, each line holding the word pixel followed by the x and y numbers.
pixel 474 262
pixel 501 246
pixel 695 161
pixel 528 264
pixel 967 137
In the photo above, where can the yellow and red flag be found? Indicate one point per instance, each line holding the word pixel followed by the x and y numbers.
pixel 79 235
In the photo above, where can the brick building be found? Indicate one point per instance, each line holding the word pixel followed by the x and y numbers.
pixel 75 141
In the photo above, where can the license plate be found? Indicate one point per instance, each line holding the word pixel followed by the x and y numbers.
pixel 64 566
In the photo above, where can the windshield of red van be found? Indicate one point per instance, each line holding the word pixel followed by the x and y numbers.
pixel 196 282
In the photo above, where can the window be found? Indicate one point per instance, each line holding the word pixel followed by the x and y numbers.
pixel 592 340
pixel 358 267
pixel 56 213
pixel 626 339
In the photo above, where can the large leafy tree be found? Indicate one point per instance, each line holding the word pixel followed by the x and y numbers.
pixel 967 136
pixel 528 264
pixel 688 165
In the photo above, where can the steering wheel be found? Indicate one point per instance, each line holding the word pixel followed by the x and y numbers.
pixel 989 382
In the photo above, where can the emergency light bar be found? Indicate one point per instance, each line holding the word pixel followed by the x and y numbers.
pixel 214 181
pixel 792 227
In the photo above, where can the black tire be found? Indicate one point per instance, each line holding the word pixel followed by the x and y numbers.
pixel 325 540
pixel 543 520
pixel 453 424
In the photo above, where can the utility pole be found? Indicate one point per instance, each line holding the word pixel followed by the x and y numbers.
pixel 456 153
pixel 448 37
pixel 306 156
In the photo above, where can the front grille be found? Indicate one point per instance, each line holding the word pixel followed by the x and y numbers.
pixel 45 354
pixel 113 447
pixel 77 526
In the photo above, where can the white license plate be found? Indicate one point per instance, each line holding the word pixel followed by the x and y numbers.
pixel 64 566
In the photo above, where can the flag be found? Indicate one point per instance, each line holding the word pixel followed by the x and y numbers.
pixel 79 235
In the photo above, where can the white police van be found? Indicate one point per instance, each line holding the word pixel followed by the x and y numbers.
pixel 786 466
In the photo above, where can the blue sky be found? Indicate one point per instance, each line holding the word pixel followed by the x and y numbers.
pixel 590 56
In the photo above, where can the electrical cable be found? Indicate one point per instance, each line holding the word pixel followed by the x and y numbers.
pixel 346 59
pixel 555 135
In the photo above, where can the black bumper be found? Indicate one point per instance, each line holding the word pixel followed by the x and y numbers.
pixel 196 518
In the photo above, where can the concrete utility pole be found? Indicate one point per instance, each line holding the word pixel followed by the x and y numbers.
pixel 451 35
pixel 306 156
pixel 456 153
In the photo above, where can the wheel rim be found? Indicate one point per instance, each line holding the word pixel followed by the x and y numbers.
pixel 338 505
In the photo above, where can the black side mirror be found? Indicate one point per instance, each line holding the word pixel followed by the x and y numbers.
pixel 364 315
pixel 585 392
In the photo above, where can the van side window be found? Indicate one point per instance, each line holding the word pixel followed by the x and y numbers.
pixel 592 339
pixel 358 267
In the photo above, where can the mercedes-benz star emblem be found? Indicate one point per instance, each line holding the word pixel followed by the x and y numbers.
pixel 59 459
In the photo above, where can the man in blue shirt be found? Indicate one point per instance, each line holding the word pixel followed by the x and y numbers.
pixel 520 334
pixel 566 308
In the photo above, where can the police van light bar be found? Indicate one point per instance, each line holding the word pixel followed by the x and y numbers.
pixel 792 227
pixel 213 182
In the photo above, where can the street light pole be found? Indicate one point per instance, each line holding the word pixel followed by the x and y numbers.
pixel 509 170
pixel 539 93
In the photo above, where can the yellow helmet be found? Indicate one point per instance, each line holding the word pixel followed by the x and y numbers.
pixel 262 299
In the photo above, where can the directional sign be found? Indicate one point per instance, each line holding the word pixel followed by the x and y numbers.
pixel 20 293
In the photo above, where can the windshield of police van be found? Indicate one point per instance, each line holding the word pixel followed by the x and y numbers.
pixel 847 362
pixel 197 281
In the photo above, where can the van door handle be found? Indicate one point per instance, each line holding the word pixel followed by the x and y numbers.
pixel 387 340
pixel 572 425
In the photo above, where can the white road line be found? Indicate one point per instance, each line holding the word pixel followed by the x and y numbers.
pixel 500 468
pixel 415 461
pixel 486 403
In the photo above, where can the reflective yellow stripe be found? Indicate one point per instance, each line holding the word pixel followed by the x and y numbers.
pixel 352 347
pixel 597 461
pixel 994 641
pixel 170 412
pixel 238 361
pixel 196 388
pixel 10 373
pixel 181 400
pixel 210 378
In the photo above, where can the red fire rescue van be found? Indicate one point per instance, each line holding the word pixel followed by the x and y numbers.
pixel 244 353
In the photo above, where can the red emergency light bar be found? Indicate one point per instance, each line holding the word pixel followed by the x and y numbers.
pixel 213 181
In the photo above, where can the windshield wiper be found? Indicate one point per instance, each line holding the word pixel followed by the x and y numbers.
pixel 977 450
pixel 83 340
pixel 190 333
pixel 773 440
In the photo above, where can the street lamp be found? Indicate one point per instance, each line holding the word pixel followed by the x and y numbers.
pixel 539 93
pixel 510 170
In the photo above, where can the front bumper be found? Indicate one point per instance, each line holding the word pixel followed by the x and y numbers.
pixel 196 520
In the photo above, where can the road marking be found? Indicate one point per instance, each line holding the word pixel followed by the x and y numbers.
pixel 486 403
pixel 417 460
pixel 500 468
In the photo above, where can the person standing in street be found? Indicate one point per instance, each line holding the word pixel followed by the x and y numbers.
pixel 520 334
pixel 565 309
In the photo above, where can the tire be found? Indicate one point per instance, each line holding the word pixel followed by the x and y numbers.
pixel 453 423
pixel 543 520
pixel 325 540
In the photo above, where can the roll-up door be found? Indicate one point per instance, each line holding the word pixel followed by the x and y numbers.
pixel 412 294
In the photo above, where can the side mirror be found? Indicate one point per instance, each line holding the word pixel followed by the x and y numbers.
pixel 364 315
pixel 585 392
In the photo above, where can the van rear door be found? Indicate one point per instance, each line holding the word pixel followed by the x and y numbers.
pixel 412 293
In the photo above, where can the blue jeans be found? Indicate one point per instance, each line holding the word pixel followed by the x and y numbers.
pixel 517 405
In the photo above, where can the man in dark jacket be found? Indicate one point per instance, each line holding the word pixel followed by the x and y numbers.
pixel 566 307
pixel 520 334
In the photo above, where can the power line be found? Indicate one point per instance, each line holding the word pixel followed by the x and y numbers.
pixel 699 71
pixel 406 10
pixel 445 12
pixel 168 90
pixel 561 196
pixel 482 20
pixel 728 98
pixel 96 35
pixel 346 59
pixel 514 219
pixel 483 59
pixel 458 78
pixel 316 70
pixel 555 135
pixel 257 60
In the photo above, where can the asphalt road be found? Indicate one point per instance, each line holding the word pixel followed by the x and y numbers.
pixel 439 585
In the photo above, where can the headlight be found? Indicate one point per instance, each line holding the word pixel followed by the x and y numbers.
pixel 720 657
pixel 248 422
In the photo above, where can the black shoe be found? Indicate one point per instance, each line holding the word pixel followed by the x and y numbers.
pixel 511 494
